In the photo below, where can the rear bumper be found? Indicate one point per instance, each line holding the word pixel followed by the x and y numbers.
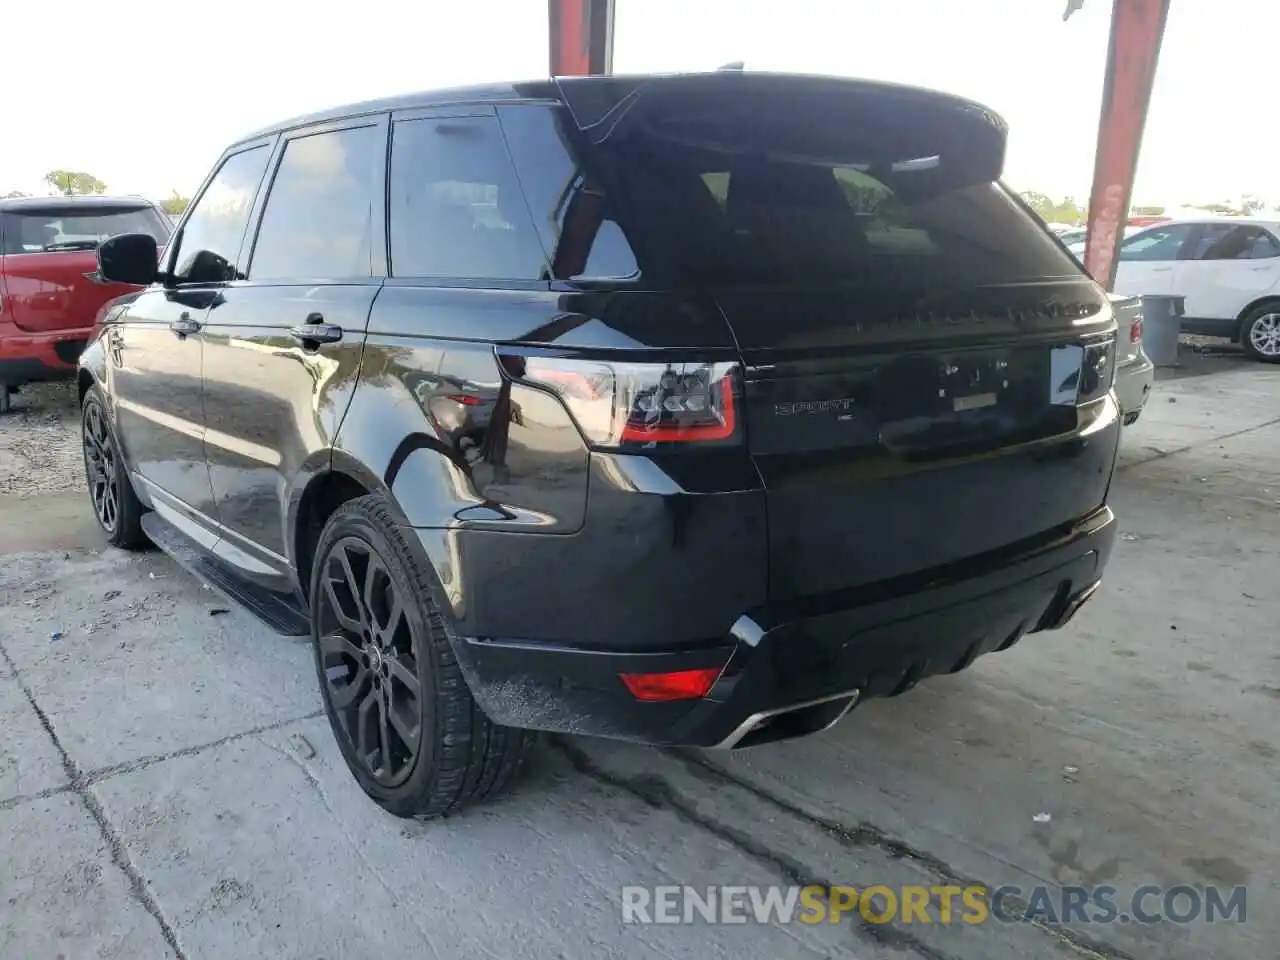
pixel 1134 381
pixel 29 357
pixel 795 668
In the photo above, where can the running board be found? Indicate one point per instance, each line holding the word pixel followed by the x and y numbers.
pixel 278 612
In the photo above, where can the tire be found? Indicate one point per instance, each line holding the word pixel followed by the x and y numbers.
pixel 6 397
pixel 115 506
pixel 378 627
pixel 1260 333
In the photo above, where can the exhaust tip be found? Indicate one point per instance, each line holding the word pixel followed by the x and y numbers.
pixel 796 720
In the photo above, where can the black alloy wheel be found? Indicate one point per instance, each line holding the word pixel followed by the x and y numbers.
pixel 100 468
pixel 401 711
pixel 369 657
pixel 115 505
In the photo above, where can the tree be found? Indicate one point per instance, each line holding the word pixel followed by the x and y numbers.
pixel 14 195
pixel 1054 211
pixel 69 182
pixel 1252 204
pixel 175 204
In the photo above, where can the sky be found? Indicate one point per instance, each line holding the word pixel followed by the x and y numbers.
pixel 145 94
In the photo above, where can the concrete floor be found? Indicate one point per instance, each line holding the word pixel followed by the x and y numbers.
pixel 167 787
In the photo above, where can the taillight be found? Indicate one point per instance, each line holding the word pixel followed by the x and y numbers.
pixel 639 404
pixel 466 399
pixel 1135 330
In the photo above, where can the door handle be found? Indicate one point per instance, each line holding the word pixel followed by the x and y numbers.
pixel 184 325
pixel 1161 269
pixel 315 332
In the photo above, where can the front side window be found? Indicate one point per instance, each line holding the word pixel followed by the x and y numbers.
pixel 456 207
pixel 1158 243
pixel 59 228
pixel 210 242
pixel 318 221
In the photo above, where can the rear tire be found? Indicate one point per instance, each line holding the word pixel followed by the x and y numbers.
pixel 1260 333
pixel 404 719
pixel 115 506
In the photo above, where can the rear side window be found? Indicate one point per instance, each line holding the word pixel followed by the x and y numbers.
pixel 1228 242
pixel 55 229
pixel 456 207
pixel 210 243
pixel 318 221
pixel 571 211
pixel 747 196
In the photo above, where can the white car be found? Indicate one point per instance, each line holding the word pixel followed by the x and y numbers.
pixel 1135 374
pixel 1227 268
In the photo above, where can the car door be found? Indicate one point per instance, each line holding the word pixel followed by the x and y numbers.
pixel 283 344
pixel 156 347
pixel 1147 259
pixel 1231 265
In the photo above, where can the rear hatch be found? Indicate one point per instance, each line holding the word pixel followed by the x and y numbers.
pixel 50 257
pixel 922 361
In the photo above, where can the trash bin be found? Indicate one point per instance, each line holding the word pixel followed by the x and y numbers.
pixel 1161 324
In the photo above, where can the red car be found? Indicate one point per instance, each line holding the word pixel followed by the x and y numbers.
pixel 50 290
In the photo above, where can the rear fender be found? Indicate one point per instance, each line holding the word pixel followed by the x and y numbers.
pixel 508 459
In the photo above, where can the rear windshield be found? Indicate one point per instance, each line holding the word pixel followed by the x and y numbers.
pixel 54 229
pixel 741 203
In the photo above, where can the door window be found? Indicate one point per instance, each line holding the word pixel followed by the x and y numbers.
pixel 1158 243
pixel 209 246
pixel 456 207
pixel 318 221
pixel 1238 243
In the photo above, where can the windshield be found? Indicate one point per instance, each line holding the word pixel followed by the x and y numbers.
pixel 55 229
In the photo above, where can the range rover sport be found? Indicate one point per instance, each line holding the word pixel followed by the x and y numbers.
pixel 681 409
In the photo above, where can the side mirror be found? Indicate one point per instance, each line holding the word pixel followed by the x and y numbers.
pixel 129 258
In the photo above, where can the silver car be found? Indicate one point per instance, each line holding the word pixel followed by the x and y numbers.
pixel 1135 374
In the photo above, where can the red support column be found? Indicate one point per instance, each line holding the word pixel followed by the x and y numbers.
pixel 1137 27
pixel 581 37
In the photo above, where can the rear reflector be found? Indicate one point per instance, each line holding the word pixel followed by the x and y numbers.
pixel 680 685
pixel 1135 330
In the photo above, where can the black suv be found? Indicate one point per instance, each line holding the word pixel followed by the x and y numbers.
pixel 681 409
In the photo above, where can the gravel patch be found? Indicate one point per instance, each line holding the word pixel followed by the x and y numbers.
pixel 39 441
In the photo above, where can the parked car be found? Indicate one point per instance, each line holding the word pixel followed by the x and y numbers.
pixel 776 416
pixel 1227 268
pixel 49 286
pixel 1072 236
pixel 1135 373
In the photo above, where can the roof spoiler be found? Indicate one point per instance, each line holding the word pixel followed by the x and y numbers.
pixel 898 124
